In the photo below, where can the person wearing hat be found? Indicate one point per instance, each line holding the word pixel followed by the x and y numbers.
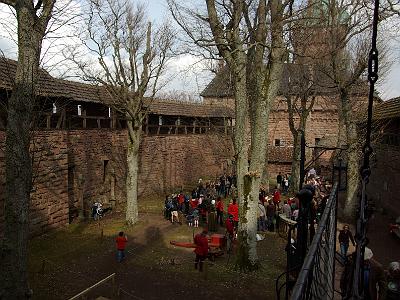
pixel 393 282
pixel 201 250
pixel 374 275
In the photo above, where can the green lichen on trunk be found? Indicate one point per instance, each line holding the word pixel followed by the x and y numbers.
pixel 243 261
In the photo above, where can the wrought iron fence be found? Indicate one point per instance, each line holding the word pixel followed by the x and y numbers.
pixel 317 275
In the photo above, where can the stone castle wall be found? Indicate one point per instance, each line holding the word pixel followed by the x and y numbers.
pixel 383 187
pixel 78 167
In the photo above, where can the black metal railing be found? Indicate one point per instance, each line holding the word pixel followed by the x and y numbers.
pixel 317 275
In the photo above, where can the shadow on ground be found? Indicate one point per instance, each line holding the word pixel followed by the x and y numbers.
pixel 68 261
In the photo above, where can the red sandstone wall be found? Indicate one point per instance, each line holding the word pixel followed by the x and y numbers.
pixel 383 187
pixel 169 162
pixel 95 158
pixel 70 169
pixel 49 198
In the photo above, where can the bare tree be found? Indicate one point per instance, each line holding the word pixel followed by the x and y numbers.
pixel 32 19
pixel 130 60
pixel 345 62
pixel 299 91
pixel 248 35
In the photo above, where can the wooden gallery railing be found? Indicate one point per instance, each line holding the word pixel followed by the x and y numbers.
pixel 63 121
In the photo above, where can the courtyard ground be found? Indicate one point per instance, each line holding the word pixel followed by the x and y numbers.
pixel 69 260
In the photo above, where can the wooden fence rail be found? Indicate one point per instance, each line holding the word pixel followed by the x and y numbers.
pixel 82 295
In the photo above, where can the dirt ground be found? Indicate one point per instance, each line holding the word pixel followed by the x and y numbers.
pixel 68 261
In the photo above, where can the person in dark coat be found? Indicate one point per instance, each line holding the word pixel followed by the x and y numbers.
pixel 374 275
pixel 345 236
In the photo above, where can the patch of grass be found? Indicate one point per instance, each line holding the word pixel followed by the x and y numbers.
pixel 84 247
pixel 151 204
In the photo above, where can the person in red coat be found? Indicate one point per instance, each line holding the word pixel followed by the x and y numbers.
pixel 277 198
pixel 233 209
pixel 201 250
pixel 121 241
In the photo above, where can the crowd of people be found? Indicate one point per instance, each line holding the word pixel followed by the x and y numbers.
pixel 208 206
pixel 206 203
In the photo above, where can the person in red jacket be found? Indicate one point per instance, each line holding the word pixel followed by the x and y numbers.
pixel 277 198
pixel 233 209
pixel 219 206
pixel 121 241
pixel 201 250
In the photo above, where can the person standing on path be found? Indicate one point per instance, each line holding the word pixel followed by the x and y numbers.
pixel 345 236
pixel 220 211
pixel 233 209
pixel 279 179
pixel 121 241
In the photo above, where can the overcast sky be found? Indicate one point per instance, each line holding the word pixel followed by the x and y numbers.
pixel 185 73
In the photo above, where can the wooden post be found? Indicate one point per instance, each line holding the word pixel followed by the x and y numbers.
pixel 185 129
pixel 48 121
pixel 98 123
pixel 84 118
pixel 225 127
pixel 194 127
pixel 147 125
pixel 113 120
pixel 64 119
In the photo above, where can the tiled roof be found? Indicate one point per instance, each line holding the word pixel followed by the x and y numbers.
pixel 77 91
pixel 175 108
pixel 84 92
pixel 47 87
pixel 221 85
pixel 387 109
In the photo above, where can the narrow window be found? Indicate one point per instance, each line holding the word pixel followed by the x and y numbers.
pixel 79 110
pixel 317 141
pixel 109 112
pixel 54 108
pixel 277 143
pixel 105 164
pixel 159 120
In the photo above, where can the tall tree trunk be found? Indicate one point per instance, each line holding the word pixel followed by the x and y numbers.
pixel 295 176
pixel 241 153
pixel 14 246
pixel 132 155
pixel 352 156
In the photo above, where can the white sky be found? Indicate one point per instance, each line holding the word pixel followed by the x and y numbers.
pixel 184 74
